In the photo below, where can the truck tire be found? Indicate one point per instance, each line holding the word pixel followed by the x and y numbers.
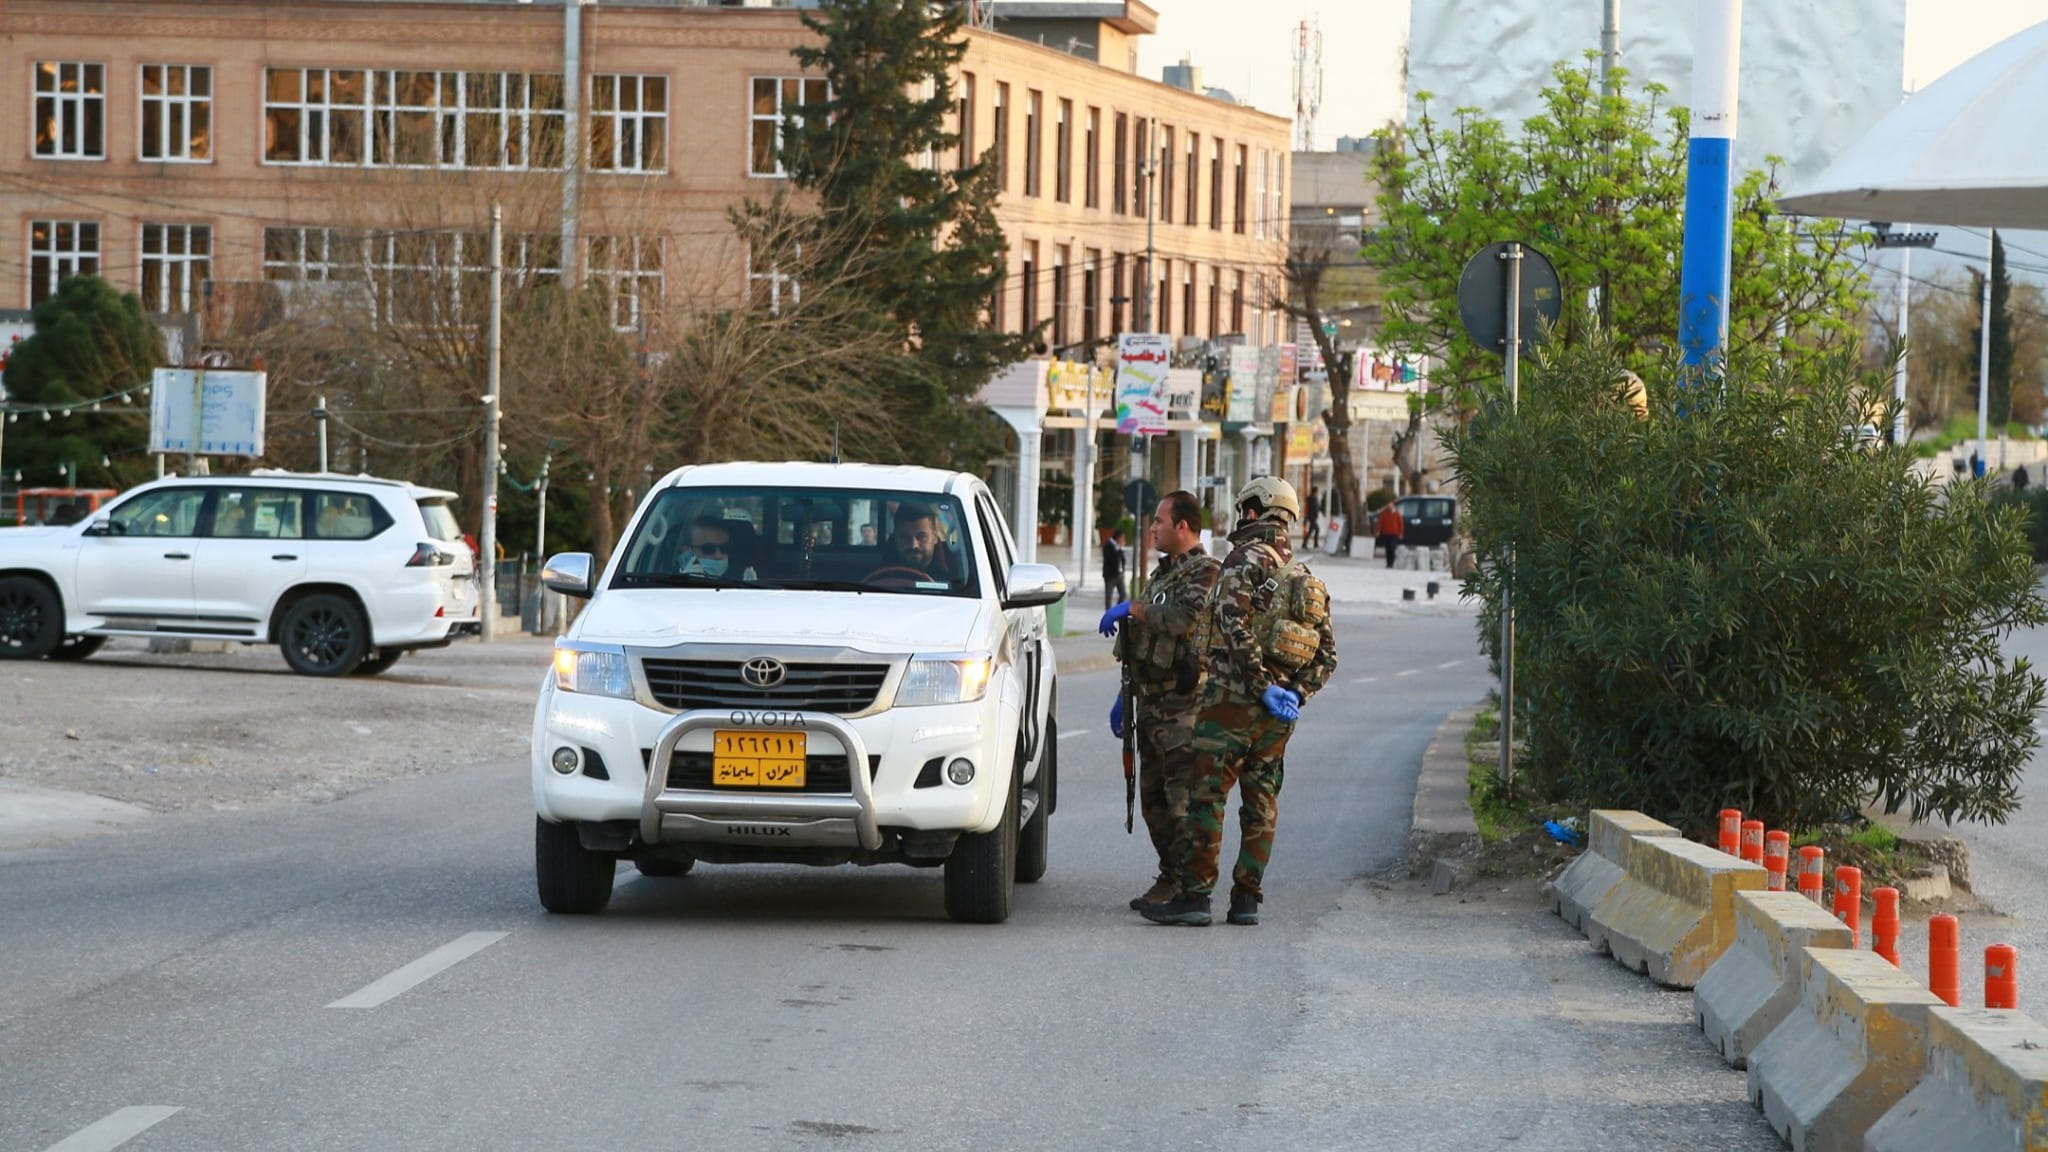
pixel 981 874
pixel 31 620
pixel 77 647
pixel 573 880
pixel 1032 838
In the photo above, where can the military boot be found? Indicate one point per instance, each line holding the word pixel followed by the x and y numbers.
pixel 1244 908
pixel 1162 890
pixel 1191 911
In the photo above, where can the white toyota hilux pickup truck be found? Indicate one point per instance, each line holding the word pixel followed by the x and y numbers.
pixel 801 663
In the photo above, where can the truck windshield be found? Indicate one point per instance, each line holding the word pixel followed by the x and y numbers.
pixel 823 539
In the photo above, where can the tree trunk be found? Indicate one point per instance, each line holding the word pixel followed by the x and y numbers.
pixel 1305 273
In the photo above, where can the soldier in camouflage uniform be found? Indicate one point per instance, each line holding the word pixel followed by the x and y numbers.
pixel 1164 637
pixel 1271 648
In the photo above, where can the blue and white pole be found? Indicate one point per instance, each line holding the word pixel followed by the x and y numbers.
pixel 1703 283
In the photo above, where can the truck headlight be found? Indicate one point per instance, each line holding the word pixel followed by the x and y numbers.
pixel 956 678
pixel 592 670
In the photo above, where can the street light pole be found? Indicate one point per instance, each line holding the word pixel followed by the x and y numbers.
pixel 320 427
pixel 487 600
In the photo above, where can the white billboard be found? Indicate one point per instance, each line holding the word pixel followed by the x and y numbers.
pixel 206 412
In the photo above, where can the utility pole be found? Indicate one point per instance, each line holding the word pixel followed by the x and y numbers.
pixel 320 428
pixel 1610 47
pixel 540 503
pixel 572 134
pixel 1138 470
pixel 1984 357
pixel 1905 242
pixel 487 600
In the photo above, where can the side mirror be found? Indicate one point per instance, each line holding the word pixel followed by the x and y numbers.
pixel 100 526
pixel 1034 586
pixel 569 573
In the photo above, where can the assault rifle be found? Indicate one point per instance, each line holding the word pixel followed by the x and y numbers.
pixel 1130 710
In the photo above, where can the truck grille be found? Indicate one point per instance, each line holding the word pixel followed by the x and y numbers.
pixel 842 689
pixel 821 774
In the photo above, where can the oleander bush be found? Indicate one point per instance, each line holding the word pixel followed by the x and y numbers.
pixel 1742 600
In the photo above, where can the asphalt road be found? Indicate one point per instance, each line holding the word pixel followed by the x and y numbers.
pixel 374 973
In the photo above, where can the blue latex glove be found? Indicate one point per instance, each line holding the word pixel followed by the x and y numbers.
pixel 1113 617
pixel 1116 718
pixel 1281 703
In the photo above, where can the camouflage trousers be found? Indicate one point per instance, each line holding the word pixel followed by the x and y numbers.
pixel 1237 742
pixel 1166 759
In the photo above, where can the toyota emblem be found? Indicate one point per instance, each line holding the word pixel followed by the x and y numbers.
pixel 763 672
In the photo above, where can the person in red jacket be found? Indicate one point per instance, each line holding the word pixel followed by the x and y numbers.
pixel 1388 530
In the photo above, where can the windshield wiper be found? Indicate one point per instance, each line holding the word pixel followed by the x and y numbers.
pixel 671 580
pixel 821 586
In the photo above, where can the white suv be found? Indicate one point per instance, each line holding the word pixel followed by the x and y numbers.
pixel 344 573
pixel 801 663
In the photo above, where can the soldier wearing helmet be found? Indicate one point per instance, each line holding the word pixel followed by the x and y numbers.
pixel 1271 648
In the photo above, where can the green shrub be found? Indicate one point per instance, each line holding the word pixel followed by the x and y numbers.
pixel 1378 498
pixel 1737 603
pixel 2033 503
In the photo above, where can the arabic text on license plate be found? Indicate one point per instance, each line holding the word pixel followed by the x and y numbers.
pixel 742 759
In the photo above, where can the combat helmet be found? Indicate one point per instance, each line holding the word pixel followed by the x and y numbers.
pixel 1271 494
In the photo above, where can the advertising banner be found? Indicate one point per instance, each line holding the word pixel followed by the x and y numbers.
pixel 1142 361
pixel 206 412
pixel 1244 385
pixel 1184 395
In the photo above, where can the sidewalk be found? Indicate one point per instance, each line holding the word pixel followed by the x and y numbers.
pixel 1362 582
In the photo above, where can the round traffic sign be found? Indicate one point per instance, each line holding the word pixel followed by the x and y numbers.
pixel 1483 296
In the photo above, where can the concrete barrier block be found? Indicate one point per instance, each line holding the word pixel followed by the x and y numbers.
pixel 1755 984
pixel 1601 866
pixel 1673 915
pixel 1985 1088
pixel 1852 1048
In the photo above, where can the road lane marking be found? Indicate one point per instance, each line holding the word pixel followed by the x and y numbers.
pixel 1074 733
pixel 1365 680
pixel 420 971
pixel 1450 664
pixel 1408 672
pixel 114 1131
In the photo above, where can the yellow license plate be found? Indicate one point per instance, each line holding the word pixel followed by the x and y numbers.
pixel 757 759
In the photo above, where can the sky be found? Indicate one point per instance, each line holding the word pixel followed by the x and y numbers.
pixel 1253 58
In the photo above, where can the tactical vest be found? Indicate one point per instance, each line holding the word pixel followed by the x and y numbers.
pixel 1288 608
pixel 1163 663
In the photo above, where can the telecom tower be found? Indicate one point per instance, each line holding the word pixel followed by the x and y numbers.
pixel 1308 83
pixel 981 14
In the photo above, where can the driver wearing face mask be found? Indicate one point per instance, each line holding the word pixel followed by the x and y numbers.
pixel 709 552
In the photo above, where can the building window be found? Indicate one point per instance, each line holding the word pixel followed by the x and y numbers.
pixel 177 113
pixel 1238 191
pixel 1029 279
pixel 1117 299
pixel 1141 166
pixel 413 278
pixel 776 112
pixel 1215 302
pixel 965 115
pixel 71 110
pixel 1259 206
pixel 770 288
pixel 1119 184
pixel 176 260
pixel 1278 213
pixel 1034 117
pixel 1166 157
pixel 1091 295
pixel 1091 164
pixel 1002 136
pixel 315 116
pixel 1194 177
pixel 1237 302
pixel 1161 315
pixel 1059 296
pixel 1187 301
pixel 1216 185
pixel 626 271
pixel 629 123
pixel 57 250
pixel 1063 160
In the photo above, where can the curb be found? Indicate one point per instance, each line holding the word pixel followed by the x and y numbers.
pixel 1442 826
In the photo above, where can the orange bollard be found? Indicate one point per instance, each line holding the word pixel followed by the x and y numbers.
pixel 1753 841
pixel 1731 831
pixel 2001 976
pixel 1812 873
pixel 1777 853
pixel 1849 901
pixel 1945 959
pixel 1884 924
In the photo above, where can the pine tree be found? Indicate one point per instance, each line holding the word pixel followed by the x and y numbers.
pixel 913 234
pixel 90 342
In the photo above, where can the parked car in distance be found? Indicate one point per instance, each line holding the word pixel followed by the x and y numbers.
pixel 345 574
pixel 801 664
pixel 1427 521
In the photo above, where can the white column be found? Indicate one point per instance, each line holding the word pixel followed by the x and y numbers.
pixel 1030 448
pixel 1190 459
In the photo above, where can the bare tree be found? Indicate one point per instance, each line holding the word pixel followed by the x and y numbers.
pixel 1304 273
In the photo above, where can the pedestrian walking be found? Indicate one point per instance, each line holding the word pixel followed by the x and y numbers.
pixel 1312 526
pixel 1271 649
pixel 2019 478
pixel 1113 589
pixel 1389 527
pixel 1163 639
